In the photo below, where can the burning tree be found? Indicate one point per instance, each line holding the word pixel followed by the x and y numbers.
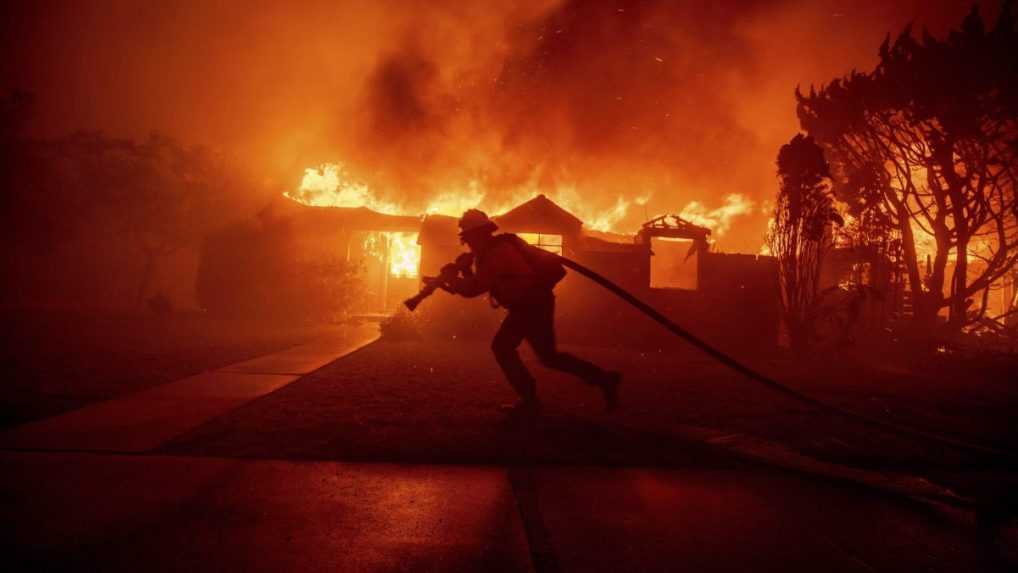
pixel 926 144
pixel 799 235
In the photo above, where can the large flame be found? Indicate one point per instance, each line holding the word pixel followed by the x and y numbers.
pixel 404 254
pixel 454 203
pixel 332 186
pixel 402 250
pixel 598 220
pixel 719 220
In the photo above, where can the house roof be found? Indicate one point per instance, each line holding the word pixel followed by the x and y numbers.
pixel 439 230
pixel 353 218
pixel 539 215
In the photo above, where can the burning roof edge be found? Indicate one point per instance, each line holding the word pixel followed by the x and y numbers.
pixel 356 218
pixel 439 229
pixel 537 215
pixel 672 226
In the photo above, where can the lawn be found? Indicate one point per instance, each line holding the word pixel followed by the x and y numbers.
pixel 434 401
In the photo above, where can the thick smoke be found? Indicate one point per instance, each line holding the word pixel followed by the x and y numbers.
pixel 613 99
pixel 679 103
pixel 668 101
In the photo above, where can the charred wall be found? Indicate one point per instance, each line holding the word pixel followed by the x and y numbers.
pixel 736 306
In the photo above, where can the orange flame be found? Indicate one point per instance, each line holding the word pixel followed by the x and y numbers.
pixel 719 220
pixel 453 203
pixel 402 249
pixel 404 254
pixel 330 186
pixel 598 220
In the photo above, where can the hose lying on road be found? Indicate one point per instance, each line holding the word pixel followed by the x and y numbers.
pixel 770 382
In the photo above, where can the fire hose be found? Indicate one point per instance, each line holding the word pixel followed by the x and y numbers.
pixel 436 282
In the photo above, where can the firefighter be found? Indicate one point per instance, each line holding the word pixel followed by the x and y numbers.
pixel 521 278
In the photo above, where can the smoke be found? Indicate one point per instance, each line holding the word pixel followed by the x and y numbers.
pixel 612 99
pixel 608 101
pixel 683 102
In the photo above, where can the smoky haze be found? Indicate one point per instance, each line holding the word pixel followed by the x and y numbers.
pixel 670 101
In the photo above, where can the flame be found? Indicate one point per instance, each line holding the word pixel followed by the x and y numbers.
pixel 403 251
pixel 331 186
pixel 454 203
pixel 550 243
pixel 598 220
pixel 404 254
pixel 925 242
pixel 719 220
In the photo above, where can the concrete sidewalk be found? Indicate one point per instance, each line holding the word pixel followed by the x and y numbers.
pixel 66 511
pixel 145 420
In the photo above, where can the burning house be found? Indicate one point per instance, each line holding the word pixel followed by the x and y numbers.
pixel 730 299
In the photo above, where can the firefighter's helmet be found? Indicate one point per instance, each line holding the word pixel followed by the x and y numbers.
pixel 476 221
